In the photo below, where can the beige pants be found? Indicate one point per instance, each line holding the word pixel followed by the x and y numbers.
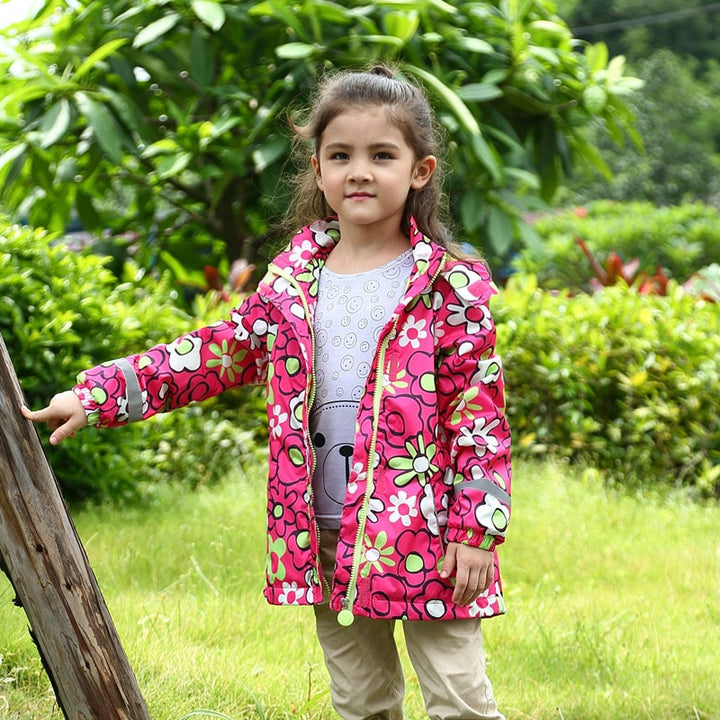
pixel 366 677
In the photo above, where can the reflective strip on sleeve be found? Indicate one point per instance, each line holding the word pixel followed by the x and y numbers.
pixel 132 390
pixel 486 486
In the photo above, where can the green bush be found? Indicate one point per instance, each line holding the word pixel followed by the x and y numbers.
pixel 61 312
pixel 681 240
pixel 624 382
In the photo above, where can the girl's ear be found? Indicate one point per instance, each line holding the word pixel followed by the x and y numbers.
pixel 423 171
pixel 318 174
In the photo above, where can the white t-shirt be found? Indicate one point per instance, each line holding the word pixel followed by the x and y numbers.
pixel 350 314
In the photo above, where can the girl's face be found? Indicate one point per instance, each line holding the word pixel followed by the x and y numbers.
pixel 366 169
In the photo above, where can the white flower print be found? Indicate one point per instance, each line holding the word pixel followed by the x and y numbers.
pixel 296 404
pixel 309 582
pixel 276 421
pixel 375 506
pixel 488 371
pixel 480 437
pixel 403 508
pixel 422 251
pixel 324 232
pixel 184 354
pixel 122 404
pixel 473 317
pixel 484 605
pixel 357 474
pixel 492 514
pixel 436 518
pixel 290 595
pixel 283 286
pixel 261 364
pixel 300 254
pixel 413 332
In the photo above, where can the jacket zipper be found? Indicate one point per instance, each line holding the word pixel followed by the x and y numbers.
pixel 345 616
pixel 310 390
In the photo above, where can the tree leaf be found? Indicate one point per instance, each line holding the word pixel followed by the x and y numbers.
pixel 55 123
pixel 500 230
pixel 479 92
pixel 170 165
pixel 475 45
pixel 98 56
pixel 202 60
pixel 449 97
pixel 268 153
pixel 295 51
pixel 166 146
pixel 156 29
pixel 401 25
pixel 10 156
pixel 126 110
pixel 211 13
pixel 87 213
pixel 103 125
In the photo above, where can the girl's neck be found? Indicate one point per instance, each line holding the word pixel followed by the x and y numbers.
pixel 359 252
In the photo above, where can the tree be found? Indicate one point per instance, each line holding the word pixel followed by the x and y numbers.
pixel 43 557
pixel 638 27
pixel 679 161
pixel 165 119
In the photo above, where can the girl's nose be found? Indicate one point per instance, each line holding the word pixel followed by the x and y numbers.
pixel 359 173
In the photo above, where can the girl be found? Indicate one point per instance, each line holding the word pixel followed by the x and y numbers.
pixel 389 463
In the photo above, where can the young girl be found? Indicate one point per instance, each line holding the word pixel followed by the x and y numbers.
pixel 389 463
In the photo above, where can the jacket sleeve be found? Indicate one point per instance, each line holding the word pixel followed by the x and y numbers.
pixel 471 402
pixel 194 367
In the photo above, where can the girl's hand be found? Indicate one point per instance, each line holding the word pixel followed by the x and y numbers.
pixel 474 571
pixel 64 415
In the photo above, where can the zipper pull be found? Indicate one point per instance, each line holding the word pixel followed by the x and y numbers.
pixel 345 616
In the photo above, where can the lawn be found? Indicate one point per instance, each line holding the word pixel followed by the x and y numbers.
pixel 613 608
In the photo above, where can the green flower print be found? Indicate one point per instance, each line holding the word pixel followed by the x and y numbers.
pixel 399 382
pixel 465 408
pixel 273 561
pixel 375 556
pixel 418 462
pixel 310 276
pixel 227 358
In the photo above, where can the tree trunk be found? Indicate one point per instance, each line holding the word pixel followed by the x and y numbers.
pixel 43 557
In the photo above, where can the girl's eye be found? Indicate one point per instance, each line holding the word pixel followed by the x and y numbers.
pixel 339 156
pixel 383 156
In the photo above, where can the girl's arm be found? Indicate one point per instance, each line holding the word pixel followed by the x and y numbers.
pixel 196 366
pixel 472 411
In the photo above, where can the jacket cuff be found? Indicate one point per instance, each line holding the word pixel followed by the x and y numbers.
pixel 90 405
pixel 473 538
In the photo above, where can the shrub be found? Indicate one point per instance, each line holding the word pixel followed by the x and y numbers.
pixel 681 240
pixel 627 383
pixel 61 312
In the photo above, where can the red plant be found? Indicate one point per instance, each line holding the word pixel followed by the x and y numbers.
pixel 615 270
pixel 240 274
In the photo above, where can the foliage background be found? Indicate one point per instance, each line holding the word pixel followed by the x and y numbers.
pixel 673 50
pixel 62 312
pixel 160 126
pixel 166 120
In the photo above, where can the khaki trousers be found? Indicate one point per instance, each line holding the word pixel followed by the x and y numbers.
pixel 366 677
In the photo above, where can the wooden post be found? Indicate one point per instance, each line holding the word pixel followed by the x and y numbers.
pixel 42 555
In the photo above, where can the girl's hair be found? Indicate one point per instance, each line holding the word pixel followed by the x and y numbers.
pixel 408 107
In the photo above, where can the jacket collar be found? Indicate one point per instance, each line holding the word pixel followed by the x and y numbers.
pixel 309 248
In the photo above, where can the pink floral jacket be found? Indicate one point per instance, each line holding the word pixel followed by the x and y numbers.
pixel 432 451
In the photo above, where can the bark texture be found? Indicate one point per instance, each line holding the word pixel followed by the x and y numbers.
pixel 43 557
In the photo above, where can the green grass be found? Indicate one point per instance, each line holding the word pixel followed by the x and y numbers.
pixel 613 609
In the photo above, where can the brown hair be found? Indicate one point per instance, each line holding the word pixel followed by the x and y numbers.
pixel 408 108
